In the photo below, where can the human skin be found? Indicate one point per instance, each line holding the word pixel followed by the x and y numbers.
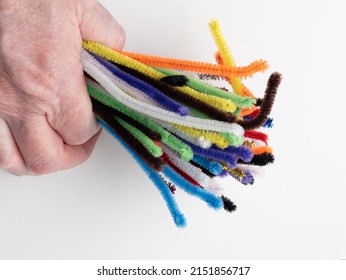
pixel 46 118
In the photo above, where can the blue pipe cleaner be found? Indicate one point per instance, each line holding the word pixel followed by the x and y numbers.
pixel 211 153
pixel 178 217
pixel 243 152
pixel 211 199
pixel 212 166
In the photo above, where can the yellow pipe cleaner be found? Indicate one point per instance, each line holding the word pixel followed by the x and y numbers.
pixel 213 137
pixel 116 57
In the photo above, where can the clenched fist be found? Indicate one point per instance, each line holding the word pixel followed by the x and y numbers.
pixel 46 118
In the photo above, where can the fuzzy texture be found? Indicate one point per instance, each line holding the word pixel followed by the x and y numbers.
pixel 179 171
pixel 225 54
pixel 178 95
pixel 167 138
pixel 228 205
pixel 212 166
pixel 260 160
pixel 152 134
pixel 240 101
pixel 154 162
pixel 211 199
pixel 258 135
pixel 121 59
pixel 214 154
pixel 175 80
pixel 200 67
pixel 158 182
pixel 155 94
pixel 242 152
pixel 242 175
pixel 91 66
pixel 261 149
pixel 267 104
pixel 183 132
pixel 151 147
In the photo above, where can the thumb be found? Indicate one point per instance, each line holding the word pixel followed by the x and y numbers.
pixel 97 24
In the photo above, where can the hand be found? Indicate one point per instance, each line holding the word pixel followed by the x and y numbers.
pixel 46 118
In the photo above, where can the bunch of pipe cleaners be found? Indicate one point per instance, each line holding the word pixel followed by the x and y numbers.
pixel 183 130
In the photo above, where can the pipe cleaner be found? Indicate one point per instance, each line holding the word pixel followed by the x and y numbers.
pixel 183 131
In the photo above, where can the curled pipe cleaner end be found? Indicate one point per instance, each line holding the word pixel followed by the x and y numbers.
pixel 267 103
pixel 182 131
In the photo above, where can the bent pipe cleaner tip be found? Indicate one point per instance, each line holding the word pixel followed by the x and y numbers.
pixel 185 132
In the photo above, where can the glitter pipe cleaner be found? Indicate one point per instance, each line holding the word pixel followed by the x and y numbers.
pixel 243 176
pixel 88 65
pixel 169 184
pixel 228 147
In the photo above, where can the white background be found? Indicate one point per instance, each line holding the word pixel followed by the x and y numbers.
pixel 108 209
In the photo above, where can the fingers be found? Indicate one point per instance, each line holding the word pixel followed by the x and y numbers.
pixel 43 151
pixel 10 156
pixel 73 117
pixel 97 24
